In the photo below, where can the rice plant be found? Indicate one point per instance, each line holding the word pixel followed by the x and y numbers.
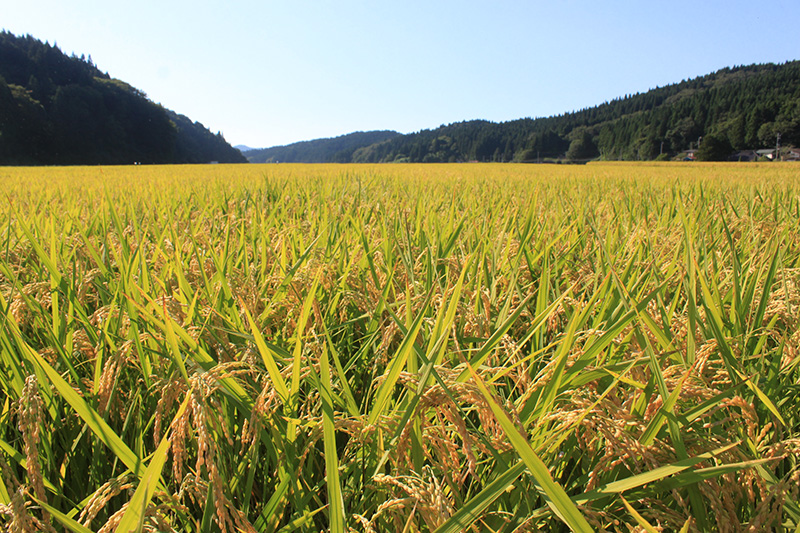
pixel 440 348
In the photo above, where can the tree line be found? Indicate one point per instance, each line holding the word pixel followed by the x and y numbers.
pixel 733 109
pixel 58 109
pixel 332 150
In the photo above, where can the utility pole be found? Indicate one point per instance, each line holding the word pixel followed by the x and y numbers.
pixel 778 147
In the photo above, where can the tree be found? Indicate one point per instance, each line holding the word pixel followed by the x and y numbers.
pixel 582 147
pixel 682 133
pixel 714 148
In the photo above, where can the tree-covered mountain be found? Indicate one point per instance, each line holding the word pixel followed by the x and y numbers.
pixel 334 150
pixel 732 109
pixel 59 109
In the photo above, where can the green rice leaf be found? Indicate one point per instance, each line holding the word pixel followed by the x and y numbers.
pixel 552 492
pixel 269 359
pixel 93 420
pixel 639 518
pixel 69 523
pixel 133 518
pixel 335 501
pixel 396 366
pixel 471 510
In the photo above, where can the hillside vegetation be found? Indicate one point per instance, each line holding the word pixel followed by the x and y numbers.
pixel 334 150
pixel 61 110
pixel 56 109
pixel 743 107
pixel 732 109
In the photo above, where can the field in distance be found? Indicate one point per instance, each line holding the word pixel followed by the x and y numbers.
pixel 400 348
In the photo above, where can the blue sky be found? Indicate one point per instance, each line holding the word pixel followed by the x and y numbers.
pixel 274 72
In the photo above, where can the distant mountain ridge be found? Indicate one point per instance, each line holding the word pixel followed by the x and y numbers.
pixel 57 109
pixel 733 109
pixel 62 110
pixel 329 150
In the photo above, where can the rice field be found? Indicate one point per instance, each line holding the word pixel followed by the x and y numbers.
pixel 445 348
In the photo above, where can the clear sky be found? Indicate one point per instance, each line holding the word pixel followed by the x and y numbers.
pixel 273 72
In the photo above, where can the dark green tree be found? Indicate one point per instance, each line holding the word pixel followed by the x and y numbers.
pixel 582 147
pixel 714 148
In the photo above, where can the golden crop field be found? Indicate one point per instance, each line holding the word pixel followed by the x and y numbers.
pixel 446 348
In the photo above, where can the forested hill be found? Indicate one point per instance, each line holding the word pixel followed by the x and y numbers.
pixel 334 150
pixel 59 109
pixel 733 109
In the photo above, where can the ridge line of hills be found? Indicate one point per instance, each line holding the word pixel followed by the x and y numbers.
pixel 728 114
pixel 62 110
pixel 339 149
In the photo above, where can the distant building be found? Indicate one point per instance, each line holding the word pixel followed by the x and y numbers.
pixel 769 153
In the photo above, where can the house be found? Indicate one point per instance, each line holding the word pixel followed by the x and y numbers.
pixel 792 155
pixel 769 153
